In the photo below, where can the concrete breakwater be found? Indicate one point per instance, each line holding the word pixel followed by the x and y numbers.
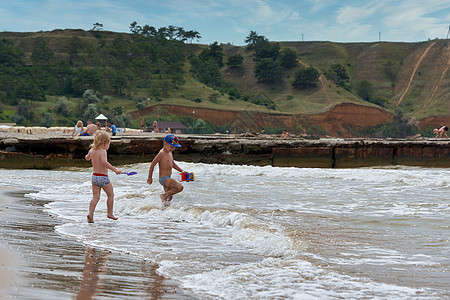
pixel 47 152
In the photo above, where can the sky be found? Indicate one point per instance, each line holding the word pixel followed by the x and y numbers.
pixel 230 21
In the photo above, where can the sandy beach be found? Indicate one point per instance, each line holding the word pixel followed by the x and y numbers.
pixel 37 263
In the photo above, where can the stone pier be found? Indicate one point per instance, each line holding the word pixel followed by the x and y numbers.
pixel 21 151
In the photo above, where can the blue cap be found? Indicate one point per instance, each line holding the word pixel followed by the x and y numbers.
pixel 172 140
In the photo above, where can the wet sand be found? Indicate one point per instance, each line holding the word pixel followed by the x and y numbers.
pixel 37 263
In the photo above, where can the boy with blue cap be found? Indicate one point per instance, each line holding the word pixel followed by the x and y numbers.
pixel 165 162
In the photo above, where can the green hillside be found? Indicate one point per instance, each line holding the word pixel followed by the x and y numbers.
pixel 42 72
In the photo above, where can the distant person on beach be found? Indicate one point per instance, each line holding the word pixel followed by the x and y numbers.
pixel 113 129
pixel 78 128
pixel 90 129
pixel 284 134
pixel 165 160
pixel 98 157
pixel 441 131
pixel 142 124
pixel 155 127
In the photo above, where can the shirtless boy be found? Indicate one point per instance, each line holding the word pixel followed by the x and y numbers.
pixel 441 131
pixel 97 155
pixel 165 160
pixel 90 129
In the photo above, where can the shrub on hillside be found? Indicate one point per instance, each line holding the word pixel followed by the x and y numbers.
pixel 305 78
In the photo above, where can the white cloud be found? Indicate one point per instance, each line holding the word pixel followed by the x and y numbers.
pixel 412 19
pixel 349 14
pixel 319 5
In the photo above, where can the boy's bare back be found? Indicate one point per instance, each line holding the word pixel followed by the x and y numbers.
pixel 98 159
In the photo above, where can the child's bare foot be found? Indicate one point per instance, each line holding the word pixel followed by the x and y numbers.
pixel 90 219
pixel 165 200
pixel 112 217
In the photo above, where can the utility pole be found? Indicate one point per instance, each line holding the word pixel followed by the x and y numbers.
pixel 379 36
pixel 193 120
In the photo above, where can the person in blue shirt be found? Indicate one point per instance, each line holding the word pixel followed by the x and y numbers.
pixel 113 129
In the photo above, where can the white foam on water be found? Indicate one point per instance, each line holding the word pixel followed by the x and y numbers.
pixel 291 279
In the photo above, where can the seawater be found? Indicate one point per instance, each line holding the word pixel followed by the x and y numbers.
pixel 248 232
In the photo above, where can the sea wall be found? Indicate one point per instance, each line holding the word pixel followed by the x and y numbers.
pixel 44 152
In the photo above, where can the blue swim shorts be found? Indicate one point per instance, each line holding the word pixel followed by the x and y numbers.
pixel 162 180
pixel 100 180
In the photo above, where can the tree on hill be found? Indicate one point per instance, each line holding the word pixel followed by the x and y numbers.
pixel 10 55
pixel 91 112
pixel 41 54
pixel 268 70
pixel 252 39
pixel 62 107
pixel 90 97
pixel 265 49
pixel 190 35
pixel 235 60
pixel 206 71
pixel 84 79
pixel 288 58
pixel 338 74
pixel 170 32
pixel 365 90
pixel 401 127
pixel 305 78
pixel 215 52
pixel 97 27
pixel 47 119
pixel 75 47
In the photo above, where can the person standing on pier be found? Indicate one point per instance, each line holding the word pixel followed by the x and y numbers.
pixel 155 127
pixel 113 129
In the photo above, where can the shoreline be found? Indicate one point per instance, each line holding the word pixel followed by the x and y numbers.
pixel 53 266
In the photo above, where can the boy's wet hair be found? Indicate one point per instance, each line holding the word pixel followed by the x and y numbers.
pixel 100 138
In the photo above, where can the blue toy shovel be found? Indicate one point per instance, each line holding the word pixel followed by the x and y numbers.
pixel 129 173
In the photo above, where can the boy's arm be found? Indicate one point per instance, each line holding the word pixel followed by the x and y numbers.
pixel 104 160
pixel 152 166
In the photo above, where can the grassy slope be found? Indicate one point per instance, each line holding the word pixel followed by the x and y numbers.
pixel 389 67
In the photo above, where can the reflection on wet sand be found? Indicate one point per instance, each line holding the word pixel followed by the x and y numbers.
pixel 97 278
pixel 55 262
pixel 94 266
